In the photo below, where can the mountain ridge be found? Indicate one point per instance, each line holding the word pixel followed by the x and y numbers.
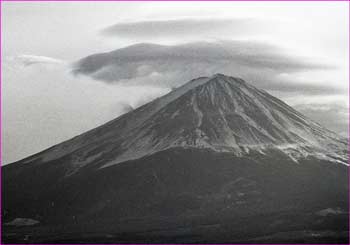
pixel 216 160
pixel 242 116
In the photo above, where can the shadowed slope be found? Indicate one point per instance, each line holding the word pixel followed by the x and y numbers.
pixel 190 166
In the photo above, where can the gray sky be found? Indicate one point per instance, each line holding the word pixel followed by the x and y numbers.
pixel 44 104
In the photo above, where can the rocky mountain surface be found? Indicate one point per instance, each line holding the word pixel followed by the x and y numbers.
pixel 215 160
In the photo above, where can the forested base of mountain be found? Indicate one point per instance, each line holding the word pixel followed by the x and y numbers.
pixel 191 196
pixel 270 228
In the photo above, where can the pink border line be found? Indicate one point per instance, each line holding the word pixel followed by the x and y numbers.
pixel 349 118
pixel 0 123
pixel 159 1
pixel 174 0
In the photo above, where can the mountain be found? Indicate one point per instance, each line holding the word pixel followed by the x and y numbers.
pixel 215 160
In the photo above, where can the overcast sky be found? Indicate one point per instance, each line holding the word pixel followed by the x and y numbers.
pixel 305 44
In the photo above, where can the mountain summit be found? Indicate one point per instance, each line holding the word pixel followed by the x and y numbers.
pixel 220 113
pixel 192 165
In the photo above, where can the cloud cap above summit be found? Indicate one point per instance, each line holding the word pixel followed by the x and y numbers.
pixel 165 65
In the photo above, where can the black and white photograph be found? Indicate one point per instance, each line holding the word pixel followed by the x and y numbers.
pixel 180 122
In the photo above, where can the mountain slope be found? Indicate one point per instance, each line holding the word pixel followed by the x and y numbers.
pixel 221 113
pixel 198 159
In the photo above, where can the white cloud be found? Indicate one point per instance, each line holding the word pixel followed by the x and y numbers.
pixel 188 29
pixel 28 60
pixel 264 65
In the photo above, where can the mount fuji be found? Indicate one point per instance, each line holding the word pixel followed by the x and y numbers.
pixel 215 160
